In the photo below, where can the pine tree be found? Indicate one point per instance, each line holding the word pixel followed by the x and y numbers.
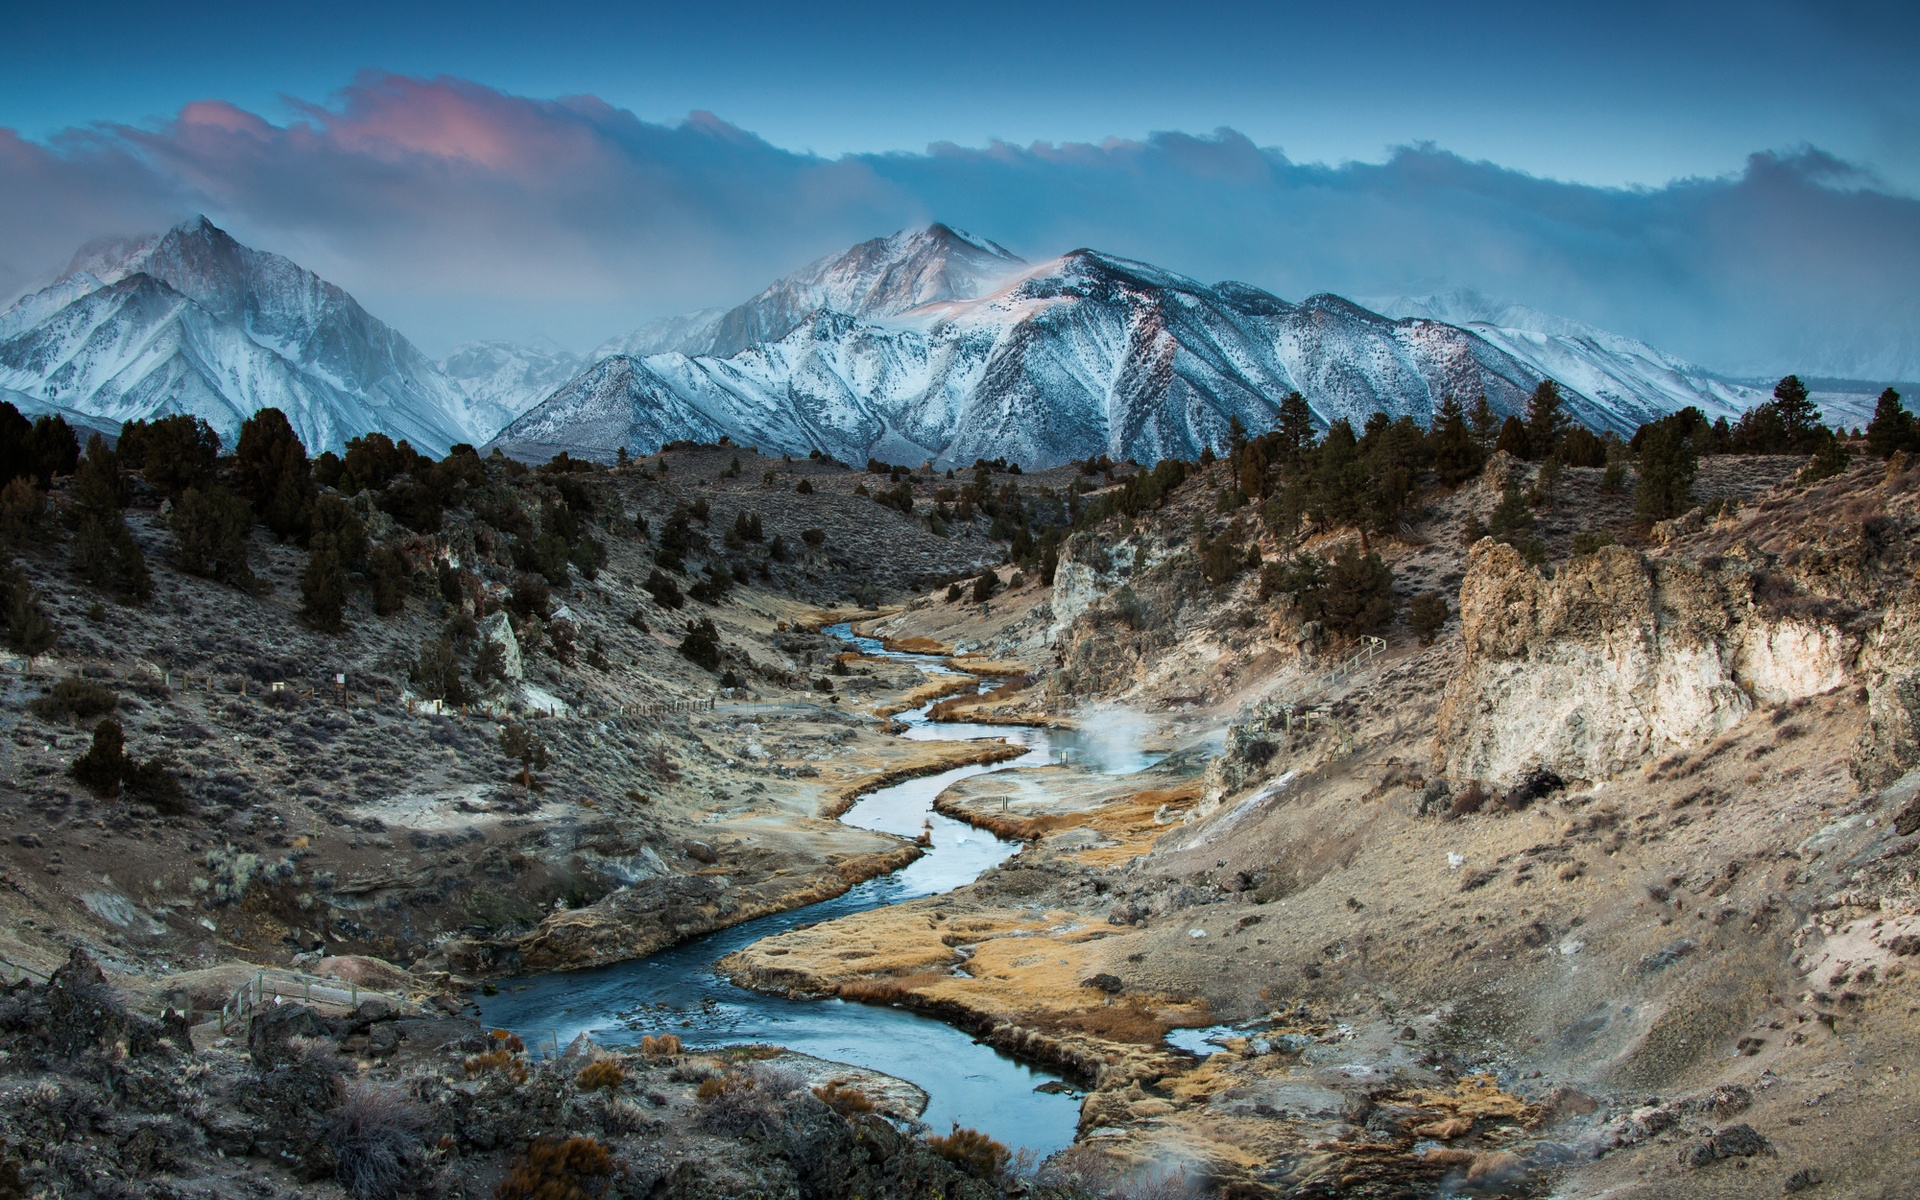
pixel 99 492
pixel 1892 427
pixel 1455 455
pixel 1484 422
pixel 323 589
pixel 210 532
pixel 1799 417
pixel 1667 466
pixel 1294 424
pixel 1547 421
pixel 1513 438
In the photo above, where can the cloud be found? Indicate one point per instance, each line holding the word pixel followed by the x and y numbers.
pixel 455 209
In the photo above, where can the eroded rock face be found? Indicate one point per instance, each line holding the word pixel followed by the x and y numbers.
pixel 498 628
pixel 1890 665
pixel 1615 660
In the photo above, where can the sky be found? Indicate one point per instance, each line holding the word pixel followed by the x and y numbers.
pixel 1736 183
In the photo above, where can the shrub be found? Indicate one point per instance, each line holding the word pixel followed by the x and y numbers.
pixel 701 646
pixel 1222 560
pixel 971 1151
pixel 29 632
pixel 75 699
pixel 1427 615
pixel 516 741
pixel 985 586
pixel 843 1098
pixel 700 510
pixel 955 593
pixel 375 1139
pixel 815 538
pixel 1590 541
pixel 667 1045
pixel 529 596
pixel 804 488
pixel 736 1104
pixel 105 763
pixel 560 641
pixel 153 783
pixel 1829 459
pixel 578 1168
pixel 603 1074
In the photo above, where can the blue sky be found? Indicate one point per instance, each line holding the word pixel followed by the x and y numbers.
pixel 1561 155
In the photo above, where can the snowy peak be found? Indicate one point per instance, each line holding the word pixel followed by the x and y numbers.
pixel 192 321
pixel 881 277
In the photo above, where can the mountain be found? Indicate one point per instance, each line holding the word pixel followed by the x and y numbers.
pixel 191 321
pixel 881 277
pixel 1634 380
pixel 1088 354
pixel 501 380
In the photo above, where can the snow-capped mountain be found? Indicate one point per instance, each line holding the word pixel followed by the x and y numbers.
pixel 191 321
pixel 881 277
pixel 501 380
pixel 1084 355
pixel 1636 381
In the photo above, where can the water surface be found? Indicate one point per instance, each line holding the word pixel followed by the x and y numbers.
pixel 677 990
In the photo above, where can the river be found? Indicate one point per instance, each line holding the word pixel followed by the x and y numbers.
pixel 677 990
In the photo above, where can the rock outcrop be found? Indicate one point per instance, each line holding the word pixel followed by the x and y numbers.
pixel 1616 659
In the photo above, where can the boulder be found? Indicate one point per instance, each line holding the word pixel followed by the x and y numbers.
pixel 498 628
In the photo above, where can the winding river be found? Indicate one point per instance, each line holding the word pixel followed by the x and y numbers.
pixel 678 991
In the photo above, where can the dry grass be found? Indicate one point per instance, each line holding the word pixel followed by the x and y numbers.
pixel 575 1169
pixel 667 1045
pixel 971 1151
pixel 603 1074
pixel 886 989
pixel 1133 1020
pixel 374 1136
pixel 844 1098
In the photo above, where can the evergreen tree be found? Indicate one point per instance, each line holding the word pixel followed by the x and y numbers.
pixel 1667 466
pixel 1294 424
pixel 1513 439
pixel 388 576
pixel 51 450
pixel 210 532
pixel 1340 479
pixel 1892 427
pixel 1799 417
pixel 105 763
pixel 1456 456
pixel 1484 422
pixel 1829 458
pixel 1547 421
pixel 323 588
pixel 173 453
pixel 99 492
pixel 274 474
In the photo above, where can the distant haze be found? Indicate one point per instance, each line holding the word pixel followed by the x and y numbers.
pixel 456 211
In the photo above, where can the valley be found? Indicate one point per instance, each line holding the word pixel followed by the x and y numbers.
pixel 1385 812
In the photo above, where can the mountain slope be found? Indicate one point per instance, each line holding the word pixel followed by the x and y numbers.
pixel 880 277
pixel 1636 381
pixel 501 380
pixel 1085 355
pixel 191 321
